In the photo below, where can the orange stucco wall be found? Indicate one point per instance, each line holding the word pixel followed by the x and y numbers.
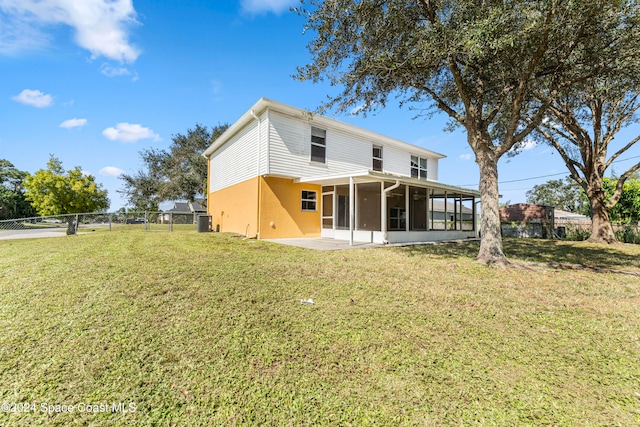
pixel 275 201
pixel 281 214
pixel 235 208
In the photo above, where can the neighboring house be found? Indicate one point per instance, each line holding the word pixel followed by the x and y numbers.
pixel 186 211
pixel 568 218
pixel 527 220
pixel 570 221
pixel 283 172
pixel 527 212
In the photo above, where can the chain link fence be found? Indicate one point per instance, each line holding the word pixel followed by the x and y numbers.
pixel 89 222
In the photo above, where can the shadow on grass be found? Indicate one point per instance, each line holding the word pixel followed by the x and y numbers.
pixel 581 253
pixel 445 249
pixel 542 251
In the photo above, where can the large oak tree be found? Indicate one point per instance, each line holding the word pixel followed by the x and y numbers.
pixel 477 61
pixel 176 173
pixel 584 124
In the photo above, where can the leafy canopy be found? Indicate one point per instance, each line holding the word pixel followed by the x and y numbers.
pixel 178 173
pixel 476 61
pixel 54 191
pixel 627 209
pixel 562 194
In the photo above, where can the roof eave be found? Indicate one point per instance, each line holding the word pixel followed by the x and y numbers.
pixel 264 103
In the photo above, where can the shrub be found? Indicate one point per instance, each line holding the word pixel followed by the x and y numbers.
pixel 577 234
pixel 628 234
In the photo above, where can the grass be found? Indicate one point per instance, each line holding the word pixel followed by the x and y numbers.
pixel 208 329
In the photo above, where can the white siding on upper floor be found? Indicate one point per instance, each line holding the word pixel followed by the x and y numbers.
pixel 432 169
pixel 279 144
pixel 396 161
pixel 237 160
pixel 290 151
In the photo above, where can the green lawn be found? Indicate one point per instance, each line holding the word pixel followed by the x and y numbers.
pixel 206 329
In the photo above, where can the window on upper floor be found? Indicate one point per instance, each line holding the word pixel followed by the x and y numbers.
pixel 309 201
pixel 418 167
pixel 377 158
pixel 318 145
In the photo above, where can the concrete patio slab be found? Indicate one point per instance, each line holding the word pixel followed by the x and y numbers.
pixel 325 244
pixel 321 244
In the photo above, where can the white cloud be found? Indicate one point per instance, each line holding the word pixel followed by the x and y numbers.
pixel 263 6
pixel 356 110
pixel 16 36
pixel 466 156
pixel 127 132
pixel 35 98
pixel 111 171
pixel 529 144
pixel 110 71
pixel 73 123
pixel 101 26
pixel 216 86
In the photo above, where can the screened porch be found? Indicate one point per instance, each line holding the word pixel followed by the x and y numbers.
pixel 365 209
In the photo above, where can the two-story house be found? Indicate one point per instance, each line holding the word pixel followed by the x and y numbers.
pixel 283 172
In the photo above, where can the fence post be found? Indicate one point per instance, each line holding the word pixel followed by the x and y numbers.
pixel 109 222
pixel 145 221
pixel 75 229
pixel 171 221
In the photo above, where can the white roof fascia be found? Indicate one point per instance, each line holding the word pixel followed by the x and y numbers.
pixel 318 178
pixel 264 103
pixel 377 176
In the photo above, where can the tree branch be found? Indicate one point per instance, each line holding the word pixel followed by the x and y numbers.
pixel 570 163
pixel 621 151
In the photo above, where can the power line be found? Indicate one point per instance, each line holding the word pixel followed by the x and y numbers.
pixel 545 176
pixel 533 177
pixel 519 180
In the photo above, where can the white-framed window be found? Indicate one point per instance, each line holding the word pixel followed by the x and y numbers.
pixel 309 201
pixel 418 167
pixel 318 145
pixel 397 219
pixel 377 158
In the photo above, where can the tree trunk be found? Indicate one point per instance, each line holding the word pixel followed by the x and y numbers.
pixel 490 230
pixel 601 229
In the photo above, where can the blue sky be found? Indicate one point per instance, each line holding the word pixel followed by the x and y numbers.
pixel 95 81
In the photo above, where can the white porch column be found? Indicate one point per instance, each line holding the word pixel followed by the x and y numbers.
pixel 351 209
pixel 383 204
pixel 356 210
pixel 406 207
pixel 383 210
pixel 335 208
pixel 446 214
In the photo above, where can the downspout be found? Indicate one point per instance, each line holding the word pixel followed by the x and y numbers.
pixel 384 208
pixel 258 176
